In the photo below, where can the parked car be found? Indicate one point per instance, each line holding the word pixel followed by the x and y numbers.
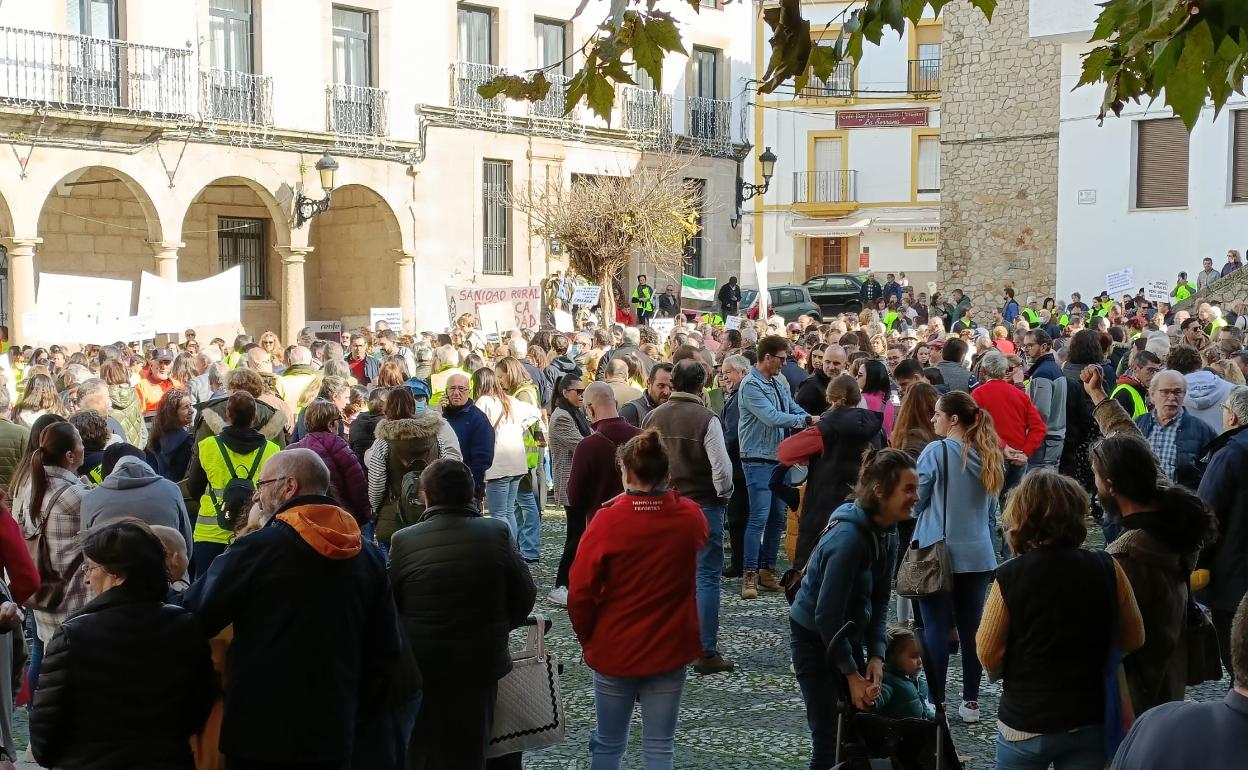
pixel 789 302
pixel 836 293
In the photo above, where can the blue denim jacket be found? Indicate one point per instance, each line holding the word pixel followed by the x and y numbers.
pixel 767 411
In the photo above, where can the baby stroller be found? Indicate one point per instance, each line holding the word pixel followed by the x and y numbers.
pixel 867 741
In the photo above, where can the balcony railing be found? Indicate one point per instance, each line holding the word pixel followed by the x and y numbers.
pixel 94 74
pixel 553 105
pixel 839 84
pixel 466 77
pixel 356 110
pixel 825 186
pixel 710 123
pixel 645 112
pixel 236 97
pixel 924 76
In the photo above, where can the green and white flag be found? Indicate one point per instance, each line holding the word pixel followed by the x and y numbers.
pixel 692 287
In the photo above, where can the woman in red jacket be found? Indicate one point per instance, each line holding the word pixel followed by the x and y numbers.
pixel 638 633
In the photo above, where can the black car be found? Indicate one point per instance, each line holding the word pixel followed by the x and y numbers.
pixel 836 293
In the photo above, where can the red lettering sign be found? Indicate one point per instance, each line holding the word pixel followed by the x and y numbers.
pixel 881 118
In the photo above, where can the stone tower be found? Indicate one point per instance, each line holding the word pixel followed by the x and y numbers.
pixel 998 132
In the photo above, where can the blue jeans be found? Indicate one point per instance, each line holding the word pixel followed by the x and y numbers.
pixel 500 496
pixel 529 525
pixel 963 607
pixel 1082 749
pixel 710 567
pixel 1013 477
pixel 822 689
pixel 766 524
pixel 614 697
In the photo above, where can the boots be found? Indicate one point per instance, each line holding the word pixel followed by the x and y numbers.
pixel 749 585
pixel 768 580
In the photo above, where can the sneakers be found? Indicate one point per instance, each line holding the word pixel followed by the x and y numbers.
pixel 768 580
pixel 969 711
pixel 712 664
pixel 749 585
pixel 558 596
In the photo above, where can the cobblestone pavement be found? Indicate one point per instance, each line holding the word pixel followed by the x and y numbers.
pixel 751 719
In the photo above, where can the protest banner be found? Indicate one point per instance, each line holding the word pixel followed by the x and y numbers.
pixel 1120 282
pixel 525 301
pixel 393 317
pixel 1157 291
pixel 586 295
pixel 178 305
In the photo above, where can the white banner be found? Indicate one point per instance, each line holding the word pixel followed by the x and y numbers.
pixel 525 301
pixel 1119 282
pixel 586 295
pixel 1157 291
pixel 393 317
pixel 663 326
pixel 179 305
pixel 732 322
pixel 564 322
pixel 77 308
pixel 497 317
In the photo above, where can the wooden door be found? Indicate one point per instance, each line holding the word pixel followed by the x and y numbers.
pixel 826 255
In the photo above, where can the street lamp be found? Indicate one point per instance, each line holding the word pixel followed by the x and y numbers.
pixel 305 207
pixel 746 191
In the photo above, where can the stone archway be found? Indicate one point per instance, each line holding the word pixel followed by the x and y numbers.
pixel 232 221
pixel 357 260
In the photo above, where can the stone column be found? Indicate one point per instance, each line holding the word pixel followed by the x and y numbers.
pixel 21 253
pixel 407 289
pixel 294 302
pixel 166 258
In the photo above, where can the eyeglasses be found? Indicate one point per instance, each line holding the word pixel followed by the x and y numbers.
pixel 577 391
pixel 1173 392
pixel 456 389
pixel 260 484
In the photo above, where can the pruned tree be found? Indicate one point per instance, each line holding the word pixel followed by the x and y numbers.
pixel 603 221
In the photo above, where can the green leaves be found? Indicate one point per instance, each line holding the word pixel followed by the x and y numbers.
pixel 533 88
pixel 1185 51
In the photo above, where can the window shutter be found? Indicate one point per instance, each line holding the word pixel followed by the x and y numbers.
pixel 1161 163
pixel 1239 178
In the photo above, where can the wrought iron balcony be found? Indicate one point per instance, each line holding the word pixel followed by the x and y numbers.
pixel 645 112
pixel 553 105
pixel 356 110
pixel 924 76
pixel 236 97
pixel 467 76
pixel 838 85
pixel 825 186
pixel 94 75
pixel 710 124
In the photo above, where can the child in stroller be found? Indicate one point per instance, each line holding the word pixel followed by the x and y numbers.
pixel 903 692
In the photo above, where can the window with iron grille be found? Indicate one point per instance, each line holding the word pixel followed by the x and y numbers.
pixel 695 246
pixel 496 217
pixel 241 242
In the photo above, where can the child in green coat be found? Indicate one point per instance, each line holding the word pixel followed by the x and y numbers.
pixel 903 693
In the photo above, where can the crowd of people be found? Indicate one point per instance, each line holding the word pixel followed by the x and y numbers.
pixel 312 555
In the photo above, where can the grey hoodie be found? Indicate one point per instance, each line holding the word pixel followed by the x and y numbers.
pixel 133 489
pixel 1205 393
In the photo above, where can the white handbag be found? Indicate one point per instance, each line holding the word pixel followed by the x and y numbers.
pixel 528 711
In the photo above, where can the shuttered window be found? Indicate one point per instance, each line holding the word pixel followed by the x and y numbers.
pixel 1239 163
pixel 1161 161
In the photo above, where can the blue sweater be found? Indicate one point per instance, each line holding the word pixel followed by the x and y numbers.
pixel 972 510
pixel 849 579
pixel 476 439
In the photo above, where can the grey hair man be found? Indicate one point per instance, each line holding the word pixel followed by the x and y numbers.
pixel 273 586
pixel 731 372
pixel 701 470
pixel 630 339
pixel 93 395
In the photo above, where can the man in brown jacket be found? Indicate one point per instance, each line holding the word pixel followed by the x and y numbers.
pixel 702 471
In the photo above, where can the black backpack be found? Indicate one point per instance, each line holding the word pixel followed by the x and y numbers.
pixel 238 490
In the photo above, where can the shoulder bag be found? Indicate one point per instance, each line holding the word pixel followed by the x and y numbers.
pixel 528 710
pixel 928 571
pixel 53 585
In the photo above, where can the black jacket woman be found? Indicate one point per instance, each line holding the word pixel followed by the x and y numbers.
pixel 1047 627
pixel 832 450
pixel 812 395
pixel 1081 428
pixel 128 679
pixel 568 425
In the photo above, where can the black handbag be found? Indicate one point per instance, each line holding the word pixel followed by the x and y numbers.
pixel 928 571
pixel 1204 659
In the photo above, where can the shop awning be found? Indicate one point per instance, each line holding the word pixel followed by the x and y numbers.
pixel 899 220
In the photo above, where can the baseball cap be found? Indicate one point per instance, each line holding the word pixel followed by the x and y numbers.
pixel 163 355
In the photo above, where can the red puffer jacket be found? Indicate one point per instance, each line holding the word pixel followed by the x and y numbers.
pixel 347 483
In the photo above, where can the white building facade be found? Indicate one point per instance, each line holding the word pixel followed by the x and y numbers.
pixel 1139 192
pixel 857 181
pixel 175 136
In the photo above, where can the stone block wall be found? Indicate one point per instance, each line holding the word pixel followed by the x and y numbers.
pixel 352 265
pixel 998 126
